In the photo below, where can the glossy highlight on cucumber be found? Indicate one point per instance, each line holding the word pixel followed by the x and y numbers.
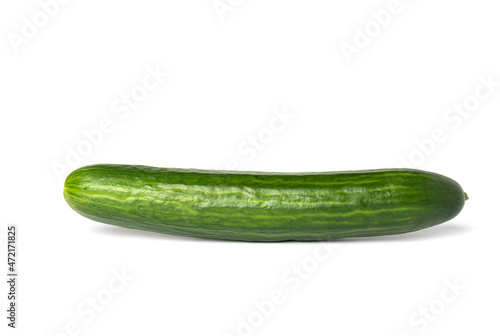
pixel 263 206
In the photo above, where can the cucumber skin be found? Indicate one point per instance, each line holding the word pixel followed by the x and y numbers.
pixel 260 206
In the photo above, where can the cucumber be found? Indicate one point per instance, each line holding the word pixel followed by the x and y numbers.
pixel 261 206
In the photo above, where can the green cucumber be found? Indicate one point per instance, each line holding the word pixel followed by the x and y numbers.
pixel 260 206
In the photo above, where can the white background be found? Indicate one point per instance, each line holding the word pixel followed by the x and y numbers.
pixel 228 74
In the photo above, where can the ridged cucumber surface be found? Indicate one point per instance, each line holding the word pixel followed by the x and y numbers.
pixel 260 206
